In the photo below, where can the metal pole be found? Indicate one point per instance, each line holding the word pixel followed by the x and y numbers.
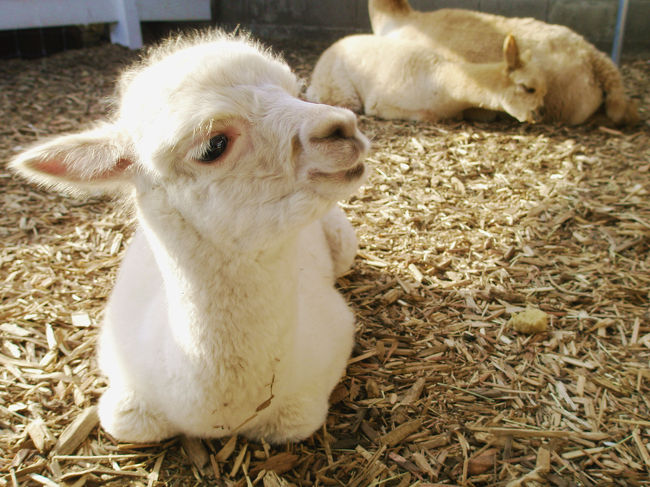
pixel 621 16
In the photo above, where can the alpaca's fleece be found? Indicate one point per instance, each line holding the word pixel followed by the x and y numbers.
pixel 398 78
pixel 224 318
pixel 578 76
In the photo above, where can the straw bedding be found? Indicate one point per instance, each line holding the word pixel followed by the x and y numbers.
pixel 462 227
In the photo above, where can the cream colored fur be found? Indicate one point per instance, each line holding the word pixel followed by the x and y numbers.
pixel 396 78
pixel 224 318
pixel 579 77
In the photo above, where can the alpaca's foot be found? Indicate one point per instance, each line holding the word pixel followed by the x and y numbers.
pixel 294 421
pixel 127 418
pixel 341 239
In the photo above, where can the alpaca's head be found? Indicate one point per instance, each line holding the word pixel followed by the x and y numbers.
pixel 525 84
pixel 211 129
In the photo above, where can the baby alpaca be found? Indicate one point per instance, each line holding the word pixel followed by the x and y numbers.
pixel 578 76
pixel 399 79
pixel 224 318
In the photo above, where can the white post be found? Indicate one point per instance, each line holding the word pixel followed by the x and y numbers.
pixel 127 30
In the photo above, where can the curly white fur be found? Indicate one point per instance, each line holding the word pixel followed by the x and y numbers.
pixel 224 318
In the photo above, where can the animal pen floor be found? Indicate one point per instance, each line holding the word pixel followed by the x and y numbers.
pixel 460 226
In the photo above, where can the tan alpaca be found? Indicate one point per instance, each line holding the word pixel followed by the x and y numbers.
pixel 401 79
pixel 579 77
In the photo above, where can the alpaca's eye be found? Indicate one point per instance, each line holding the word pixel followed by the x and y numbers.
pixel 216 147
pixel 528 89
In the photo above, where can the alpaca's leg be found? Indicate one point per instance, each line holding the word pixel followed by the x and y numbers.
pixel 335 88
pixel 341 90
pixel 389 108
pixel 341 239
pixel 127 418
pixel 294 420
pixel 323 344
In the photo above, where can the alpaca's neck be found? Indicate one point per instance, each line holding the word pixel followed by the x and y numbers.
pixel 477 84
pixel 222 298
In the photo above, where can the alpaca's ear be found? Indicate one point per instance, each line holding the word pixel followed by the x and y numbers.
pixel 99 158
pixel 511 53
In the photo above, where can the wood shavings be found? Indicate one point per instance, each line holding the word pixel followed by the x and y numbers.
pixel 460 226
pixel 279 463
pixel 76 432
pixel 40 435
pixel 482 462
pixel 80 319
pixel 195 451
pixel 397 435
pixel 529 321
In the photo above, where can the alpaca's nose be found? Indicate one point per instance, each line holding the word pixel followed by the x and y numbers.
pixel 538 115
pixel 331 137
pixel 337 125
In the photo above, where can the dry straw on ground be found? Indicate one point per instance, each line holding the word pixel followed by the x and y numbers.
pixel 461 226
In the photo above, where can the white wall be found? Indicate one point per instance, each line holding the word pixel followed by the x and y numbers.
pixel 123 15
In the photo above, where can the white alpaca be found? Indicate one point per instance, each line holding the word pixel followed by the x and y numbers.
pixel 579 77
pixel 395 78
pixel 224 318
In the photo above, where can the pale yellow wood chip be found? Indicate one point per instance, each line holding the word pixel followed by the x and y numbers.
pixel 40 435
pixel 77 432
pixel 81 320
pixel 529 321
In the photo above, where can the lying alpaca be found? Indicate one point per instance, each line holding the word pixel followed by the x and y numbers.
pixel 395 78
pixel 577 74
pixel 224 318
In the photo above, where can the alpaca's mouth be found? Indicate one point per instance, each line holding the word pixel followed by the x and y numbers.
pixel 535 116
pixel 348 175
pixel 355 173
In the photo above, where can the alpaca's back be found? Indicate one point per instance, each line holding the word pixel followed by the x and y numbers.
pixel 459 33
